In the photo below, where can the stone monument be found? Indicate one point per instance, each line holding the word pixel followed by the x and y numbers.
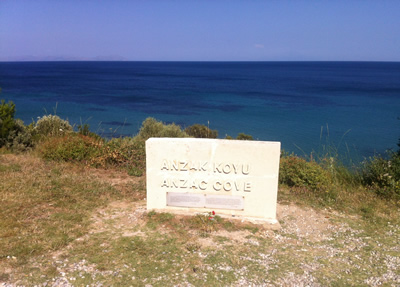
pixel 232 177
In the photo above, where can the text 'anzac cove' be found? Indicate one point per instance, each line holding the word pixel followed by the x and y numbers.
pixel 183 168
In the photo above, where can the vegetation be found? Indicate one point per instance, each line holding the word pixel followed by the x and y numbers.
pixel 21 137
pixel 72 147
pixel 243 136
pixel 7 112
pixel 14 135
pixel 201 131
pixel 383 175
pixel 309 176
pixel 153 128
pixel 85 130
pixel 52 126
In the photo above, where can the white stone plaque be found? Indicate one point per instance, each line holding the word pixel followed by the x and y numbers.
pixel 224 201
pixel 179 199
pixel 238 178
pixel 185 199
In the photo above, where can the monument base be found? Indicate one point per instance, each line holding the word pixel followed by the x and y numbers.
pixel 270 224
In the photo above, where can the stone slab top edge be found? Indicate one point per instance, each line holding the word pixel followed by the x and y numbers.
pixel 232 141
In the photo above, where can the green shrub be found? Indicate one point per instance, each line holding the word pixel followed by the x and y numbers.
pixel 201 131
pixel 383 175
pixel 153 128
pixel 52 125
pixel 243 136
pixel 132 154
pixel 14 135
pixel 85 130
pixel 124 153
pixel 20 138
pixel 297 172
pixel 72 147
pixel 7 112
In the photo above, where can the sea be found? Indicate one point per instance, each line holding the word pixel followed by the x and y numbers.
pixel 312 108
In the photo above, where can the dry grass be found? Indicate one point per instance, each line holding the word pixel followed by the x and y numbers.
pixel 45 206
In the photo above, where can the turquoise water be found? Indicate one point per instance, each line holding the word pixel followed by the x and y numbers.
pixel 353 105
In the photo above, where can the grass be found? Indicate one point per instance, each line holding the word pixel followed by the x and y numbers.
pixel 67 223
pixel 45 206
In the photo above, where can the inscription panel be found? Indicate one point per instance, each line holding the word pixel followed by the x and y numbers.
pixel 179 199
pixel 186 199
pixel 224 202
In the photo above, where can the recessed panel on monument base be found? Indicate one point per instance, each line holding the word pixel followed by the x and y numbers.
pixel 231 177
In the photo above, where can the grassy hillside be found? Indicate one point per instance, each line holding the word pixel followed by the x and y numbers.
pixel 63 223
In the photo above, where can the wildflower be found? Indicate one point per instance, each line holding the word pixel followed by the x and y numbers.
pixel 213 212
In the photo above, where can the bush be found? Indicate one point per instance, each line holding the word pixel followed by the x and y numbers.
pixel 297 172
pixel 7 112
pixel 85 130
pixel 14 135
pixel 72 147
pixel 20 138
pixel 243 136
pixel 125 153
pixel 153 128
pixel 383 175
pixel 53 126
pixel 132 154
pixel 201 131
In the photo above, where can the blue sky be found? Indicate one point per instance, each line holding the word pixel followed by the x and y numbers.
pixel 200 30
